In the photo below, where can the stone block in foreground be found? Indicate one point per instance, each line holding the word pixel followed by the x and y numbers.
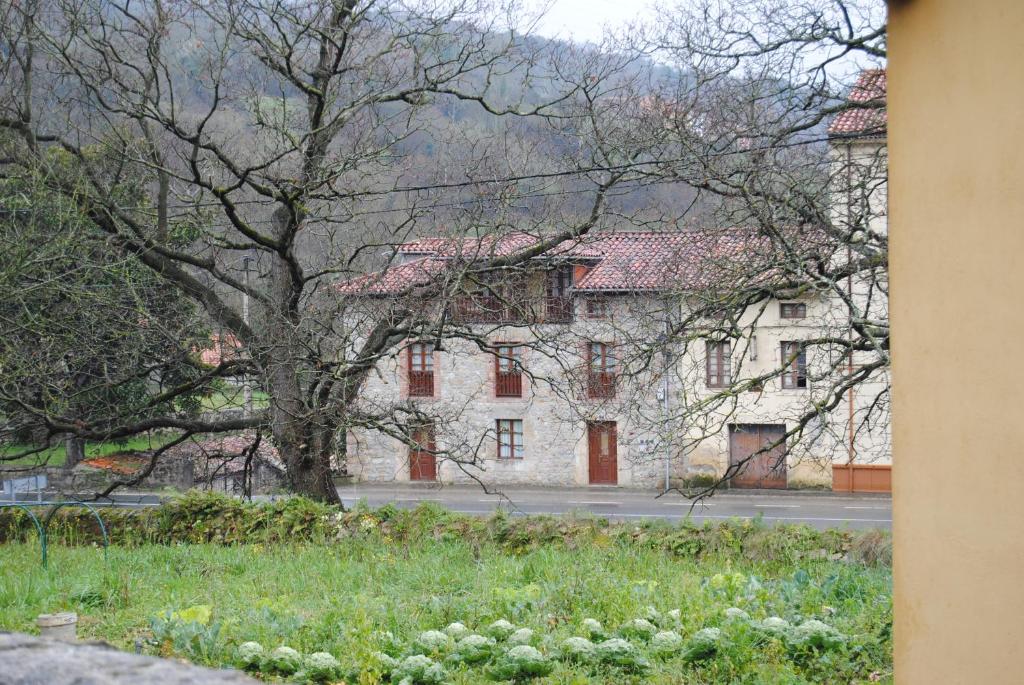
pixel 29 660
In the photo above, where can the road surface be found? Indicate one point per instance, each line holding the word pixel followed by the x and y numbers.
pixel 819 509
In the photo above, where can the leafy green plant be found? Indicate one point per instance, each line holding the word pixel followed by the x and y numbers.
pixel 189 632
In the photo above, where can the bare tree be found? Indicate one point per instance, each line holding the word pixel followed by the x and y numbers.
pixel 777 116
pixel 303 138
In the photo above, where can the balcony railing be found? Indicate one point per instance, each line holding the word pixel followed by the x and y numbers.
pixel 421 384
pixel 509 384
pixel 600 385
pixel 558 309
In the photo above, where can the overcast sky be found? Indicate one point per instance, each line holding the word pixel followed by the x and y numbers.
pixel 583 20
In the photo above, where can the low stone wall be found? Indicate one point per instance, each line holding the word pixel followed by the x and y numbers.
pixel 31 660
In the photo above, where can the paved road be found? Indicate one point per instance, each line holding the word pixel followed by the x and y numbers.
pixel 822 510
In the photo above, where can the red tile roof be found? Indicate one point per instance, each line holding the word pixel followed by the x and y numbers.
pixel 621 261
pixel 864 121
pixel 222 348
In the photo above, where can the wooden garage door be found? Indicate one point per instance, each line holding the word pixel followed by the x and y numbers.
pixel 767 470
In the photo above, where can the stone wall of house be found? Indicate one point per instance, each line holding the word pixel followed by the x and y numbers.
pixel 555 411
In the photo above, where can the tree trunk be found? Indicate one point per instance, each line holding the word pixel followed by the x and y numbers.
pixel 74 451
pixel 308 464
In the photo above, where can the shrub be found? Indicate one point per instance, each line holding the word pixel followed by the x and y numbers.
pixel 521 663
pixel 621 653
pixel 703 645
pixel 283 660
pixel 872 547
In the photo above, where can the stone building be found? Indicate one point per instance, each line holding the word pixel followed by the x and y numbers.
pixel 557 375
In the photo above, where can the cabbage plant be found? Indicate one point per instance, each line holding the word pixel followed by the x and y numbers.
pixel 621 653
pixel 456 631
pixel 666 643
pixel 320 667
pixel 736 614
pixel 639 628
pixel 432 642
pixel 283 660
pixel 523 636
pixel 816 634
pixel 579 650
pixel 519 664
pixel 249 656
pixel 703 644
pixel 418 670
pixel 594 629
pixel 500 629
pixel 473 649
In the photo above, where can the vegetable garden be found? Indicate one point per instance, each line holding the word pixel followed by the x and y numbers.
pixel 427 597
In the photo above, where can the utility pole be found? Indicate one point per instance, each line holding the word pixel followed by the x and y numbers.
pixel 666 353
pixel 246 381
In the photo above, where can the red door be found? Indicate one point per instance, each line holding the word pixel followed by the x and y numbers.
pixel 422 460
pixel 603 449
pixel 766 470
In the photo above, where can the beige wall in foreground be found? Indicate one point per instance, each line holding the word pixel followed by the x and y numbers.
pixel 956 143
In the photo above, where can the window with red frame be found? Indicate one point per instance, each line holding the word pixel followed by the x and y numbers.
pixel 794 361
pixel 719 363
pixel 510 439
pixel 508 371
pixel 597 308
pixel 601 368
pixel 421 370
pixel 792 310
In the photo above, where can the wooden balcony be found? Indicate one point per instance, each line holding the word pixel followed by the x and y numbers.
pixel 421 384
pixel 508 384
pixel 600 385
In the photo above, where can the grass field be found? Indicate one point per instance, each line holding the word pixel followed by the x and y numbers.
pixel 339 598
pixel 55 456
